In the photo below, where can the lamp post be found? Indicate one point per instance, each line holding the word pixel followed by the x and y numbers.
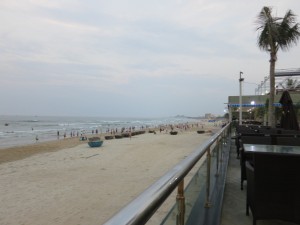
pixel 240 113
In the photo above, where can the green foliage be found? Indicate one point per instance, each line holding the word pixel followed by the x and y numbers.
pixel 290 84
pixel 276 32
pixel 267 105
pixel 259 113
pixel 226 115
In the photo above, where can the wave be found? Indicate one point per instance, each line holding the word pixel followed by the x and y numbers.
pixel 23 129
pixel 29 121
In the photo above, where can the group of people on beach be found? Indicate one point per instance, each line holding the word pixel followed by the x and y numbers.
pixel 82 134
pixel 180 127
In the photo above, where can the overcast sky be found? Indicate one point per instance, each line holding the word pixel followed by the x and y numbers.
pixel 131 58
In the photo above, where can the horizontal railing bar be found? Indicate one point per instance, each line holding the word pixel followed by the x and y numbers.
pixel 141 209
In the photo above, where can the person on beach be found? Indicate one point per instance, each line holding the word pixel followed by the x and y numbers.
pixel 36 138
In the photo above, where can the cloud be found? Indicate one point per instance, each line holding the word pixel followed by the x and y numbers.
pixel 119 48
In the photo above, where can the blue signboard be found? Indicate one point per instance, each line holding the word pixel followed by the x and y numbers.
pixel 253 105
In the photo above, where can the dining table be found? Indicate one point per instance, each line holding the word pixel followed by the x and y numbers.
pixel 271 149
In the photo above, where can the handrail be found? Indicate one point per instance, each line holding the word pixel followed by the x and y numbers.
pixel 141 209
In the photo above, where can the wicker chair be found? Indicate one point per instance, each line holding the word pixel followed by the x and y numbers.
pixel 243 157
pixel 273 187
pixel 292 140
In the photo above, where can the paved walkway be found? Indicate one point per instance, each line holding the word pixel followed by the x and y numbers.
pixel 234 205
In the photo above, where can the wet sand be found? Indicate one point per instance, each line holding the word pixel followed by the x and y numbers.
pixel 66 182
pixel 21 152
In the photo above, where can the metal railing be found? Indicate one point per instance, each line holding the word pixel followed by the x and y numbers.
pixel 142 208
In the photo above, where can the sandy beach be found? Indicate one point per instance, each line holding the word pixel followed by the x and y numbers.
pixel 66 182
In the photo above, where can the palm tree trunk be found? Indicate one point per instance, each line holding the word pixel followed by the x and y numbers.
pixel 271 119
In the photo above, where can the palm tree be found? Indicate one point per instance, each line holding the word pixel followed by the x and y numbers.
pixel 275 33
pixel 291 84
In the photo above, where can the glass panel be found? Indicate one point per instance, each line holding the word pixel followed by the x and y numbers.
pixel 195 188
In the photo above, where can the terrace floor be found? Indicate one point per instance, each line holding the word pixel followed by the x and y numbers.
pixel 234 203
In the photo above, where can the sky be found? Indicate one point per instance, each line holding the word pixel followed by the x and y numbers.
pixel 131 58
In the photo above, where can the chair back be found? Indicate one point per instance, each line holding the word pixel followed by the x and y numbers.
pixel 291 141
pixel 274 187
pixel 256 140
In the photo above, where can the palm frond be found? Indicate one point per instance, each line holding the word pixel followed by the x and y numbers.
pixel 262 41
pixel 262 17
pixel 276 32
pixel 289 31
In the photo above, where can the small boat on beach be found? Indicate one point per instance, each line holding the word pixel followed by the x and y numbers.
pixel 109 137
pixel 95 142
pixel 200 131
pixel 126 135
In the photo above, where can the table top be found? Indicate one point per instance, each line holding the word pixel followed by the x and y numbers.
pixel 275 149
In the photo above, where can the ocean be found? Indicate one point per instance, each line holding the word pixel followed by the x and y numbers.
pixel 22 130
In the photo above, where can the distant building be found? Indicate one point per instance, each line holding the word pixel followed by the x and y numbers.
pixel 208 116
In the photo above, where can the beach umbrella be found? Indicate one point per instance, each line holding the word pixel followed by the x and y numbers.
pixel 288 118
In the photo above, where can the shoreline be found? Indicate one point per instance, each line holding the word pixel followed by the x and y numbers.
pixel 23 131
pixel 23 151
pixel 18 152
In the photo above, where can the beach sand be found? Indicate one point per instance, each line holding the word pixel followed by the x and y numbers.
pixel 66 182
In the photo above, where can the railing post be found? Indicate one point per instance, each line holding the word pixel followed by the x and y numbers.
pixel 219 148
pixel 180 203
pixel 208 163
pixel 223 143
pixel 225 136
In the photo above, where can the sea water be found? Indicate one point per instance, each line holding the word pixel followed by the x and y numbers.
pixel 22 130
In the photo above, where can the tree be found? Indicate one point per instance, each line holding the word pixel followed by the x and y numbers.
pixel 290 84
pixel 259 113
pixel 275 33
